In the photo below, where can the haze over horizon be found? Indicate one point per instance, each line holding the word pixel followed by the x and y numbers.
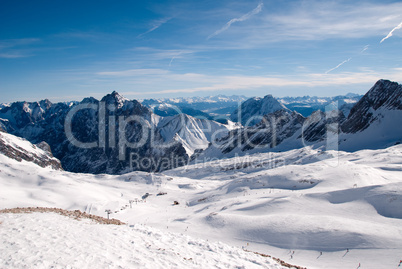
pixel 66 51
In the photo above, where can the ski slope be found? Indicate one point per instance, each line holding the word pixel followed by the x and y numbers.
pixel 307 207
pixel 48 240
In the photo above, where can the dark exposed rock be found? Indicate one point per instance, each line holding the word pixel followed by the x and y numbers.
pixel 270 132
pixel 11 147
pixel 384 94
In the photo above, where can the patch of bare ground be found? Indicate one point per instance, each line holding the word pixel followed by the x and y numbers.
pixel 281 262
pixel 75 214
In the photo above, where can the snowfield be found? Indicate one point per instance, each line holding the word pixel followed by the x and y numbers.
pixel 307 207
pixel 48 240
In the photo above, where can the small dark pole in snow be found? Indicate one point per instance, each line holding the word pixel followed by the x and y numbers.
pixel 131 202
pixel 320 254
pixel 108 212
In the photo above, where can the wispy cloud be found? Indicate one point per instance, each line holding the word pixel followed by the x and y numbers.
pixel 242 18
pixel 17 42
pixel 14 55
pixel 155 25
pixel 196 83
pixel 133 72
pixel 16 48
pixel 339 65
pixel 399 26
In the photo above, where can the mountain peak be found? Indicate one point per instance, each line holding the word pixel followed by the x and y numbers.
pixel 253 109
pixel 115 98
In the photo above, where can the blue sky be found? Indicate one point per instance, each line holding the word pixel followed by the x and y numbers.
pixel 68 50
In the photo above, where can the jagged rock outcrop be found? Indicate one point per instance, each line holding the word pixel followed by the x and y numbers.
pixel 318 124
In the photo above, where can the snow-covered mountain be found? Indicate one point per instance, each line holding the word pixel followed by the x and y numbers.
pixel 374 122
pixel 306 105
pixel 100 135
pixel 252 110
pixel 3 105
pixel 193 100
pixel 210 104
pixel 166 110
pixel 113 135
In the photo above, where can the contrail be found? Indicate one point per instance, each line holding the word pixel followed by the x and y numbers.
pixel 332 69
pixel 242 18
pixel 156 26
pixel 365 48
pixel 392 31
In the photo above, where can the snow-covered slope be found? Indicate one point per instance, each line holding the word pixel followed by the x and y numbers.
pixel 194 134
pixel 307 207
pixel 252 110
pixel 43 240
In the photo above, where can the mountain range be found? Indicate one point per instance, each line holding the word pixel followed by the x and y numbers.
pixel 116 135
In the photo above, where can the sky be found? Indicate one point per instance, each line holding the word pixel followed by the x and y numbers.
pixel 68 50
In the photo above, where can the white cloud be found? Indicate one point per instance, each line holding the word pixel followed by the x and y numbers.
pixel 399 26
pixel 242 18
pixel 195 83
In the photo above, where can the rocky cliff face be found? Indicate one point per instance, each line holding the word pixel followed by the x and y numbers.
pixel 20 149
pixel 383 96
pixel 273 129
